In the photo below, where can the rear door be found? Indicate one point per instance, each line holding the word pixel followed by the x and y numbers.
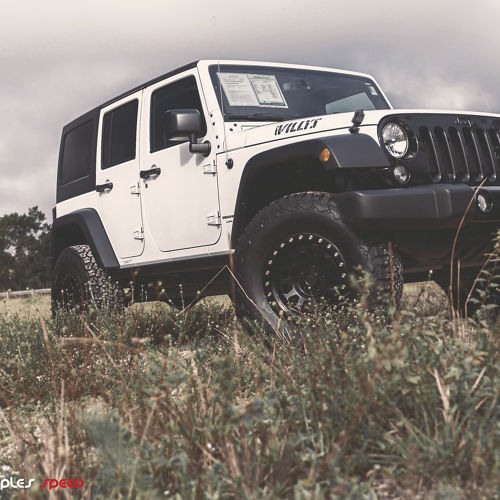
pixel 181 203
pixel 117 175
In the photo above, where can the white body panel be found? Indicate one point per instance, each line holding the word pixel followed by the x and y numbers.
pixel 120 207
pixel 176 203
pixel 173 207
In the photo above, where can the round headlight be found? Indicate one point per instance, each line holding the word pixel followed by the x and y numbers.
pixel 395 139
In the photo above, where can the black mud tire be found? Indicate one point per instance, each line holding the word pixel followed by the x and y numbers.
pixel 78 283
pixel 306 214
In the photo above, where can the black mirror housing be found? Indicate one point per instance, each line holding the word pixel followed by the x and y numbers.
pixel 182 123
pixel 186 123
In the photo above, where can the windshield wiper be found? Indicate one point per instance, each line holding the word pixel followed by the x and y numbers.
pixel 258 117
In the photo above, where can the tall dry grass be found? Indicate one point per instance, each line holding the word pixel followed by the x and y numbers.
pixel 155 403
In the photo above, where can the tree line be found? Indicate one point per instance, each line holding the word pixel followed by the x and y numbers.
pixel 24 250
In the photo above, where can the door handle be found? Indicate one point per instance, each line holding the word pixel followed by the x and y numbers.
pixel 107 186
pixel 154 171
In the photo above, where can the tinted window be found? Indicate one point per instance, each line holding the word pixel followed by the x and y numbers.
pixel 182 94
pixel 119 128
pixel 76 161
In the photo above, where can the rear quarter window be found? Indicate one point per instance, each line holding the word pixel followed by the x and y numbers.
pixel 77 152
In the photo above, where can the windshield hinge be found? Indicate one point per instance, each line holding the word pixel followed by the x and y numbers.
pixel 213 218
pixel 210 168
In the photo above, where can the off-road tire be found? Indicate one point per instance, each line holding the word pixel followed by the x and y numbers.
pixel 303 214
pixel 79 283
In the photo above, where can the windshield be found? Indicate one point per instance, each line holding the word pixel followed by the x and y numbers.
pixel 264 93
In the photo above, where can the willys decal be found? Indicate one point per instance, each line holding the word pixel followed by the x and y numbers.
pixel 296 126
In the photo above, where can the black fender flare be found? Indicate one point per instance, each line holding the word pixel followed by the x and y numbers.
pixel 347 151
pixel 84 224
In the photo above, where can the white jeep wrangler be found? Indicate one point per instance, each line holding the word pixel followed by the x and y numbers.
pixel 301 174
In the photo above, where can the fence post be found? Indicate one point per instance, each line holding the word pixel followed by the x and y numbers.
pixel 8 294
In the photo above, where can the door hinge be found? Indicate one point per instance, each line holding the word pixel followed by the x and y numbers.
pixel 135 189
pixel 210 168
pixel 213 218
pixel 139 234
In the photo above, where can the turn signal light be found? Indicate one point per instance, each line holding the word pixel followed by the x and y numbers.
pixel 324 156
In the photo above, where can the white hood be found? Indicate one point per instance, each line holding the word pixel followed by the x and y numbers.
pixel 244 134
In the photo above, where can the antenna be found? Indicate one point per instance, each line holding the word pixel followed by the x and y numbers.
pixel 220 89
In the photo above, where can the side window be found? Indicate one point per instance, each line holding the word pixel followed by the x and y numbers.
pixel 76 156
pixel 119 129
pixel 182 94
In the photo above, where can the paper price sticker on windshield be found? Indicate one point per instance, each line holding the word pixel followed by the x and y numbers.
pixel 242 89
pixel 267 90
pixel 238 89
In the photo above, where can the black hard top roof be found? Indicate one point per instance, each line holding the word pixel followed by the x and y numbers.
pixel 94 112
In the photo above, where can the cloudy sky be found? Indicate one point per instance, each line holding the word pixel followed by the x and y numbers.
pixel 60 58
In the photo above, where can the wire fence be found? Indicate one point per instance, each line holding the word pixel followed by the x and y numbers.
pixel 24 293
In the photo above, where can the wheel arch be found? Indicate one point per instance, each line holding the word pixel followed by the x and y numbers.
pixel 297 167
pixel 83 226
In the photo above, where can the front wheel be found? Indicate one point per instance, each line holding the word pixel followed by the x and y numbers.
pixel 297 253
pixel 78 281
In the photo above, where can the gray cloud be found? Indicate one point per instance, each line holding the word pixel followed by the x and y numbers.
pixel 59 59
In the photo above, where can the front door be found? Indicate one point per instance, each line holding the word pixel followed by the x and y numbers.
pixel 117 175
pixel 180 198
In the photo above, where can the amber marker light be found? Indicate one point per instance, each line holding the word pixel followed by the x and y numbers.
pixel 324 156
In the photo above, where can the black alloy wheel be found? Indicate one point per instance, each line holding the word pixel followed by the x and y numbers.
pixel 303 271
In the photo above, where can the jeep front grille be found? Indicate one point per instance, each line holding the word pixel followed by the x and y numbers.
pixel 462 154
pixel 453 148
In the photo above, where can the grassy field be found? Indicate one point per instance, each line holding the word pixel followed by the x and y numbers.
pixel 29 306
pixel 157 404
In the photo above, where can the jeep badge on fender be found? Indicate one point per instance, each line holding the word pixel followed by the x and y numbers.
pixel 305 174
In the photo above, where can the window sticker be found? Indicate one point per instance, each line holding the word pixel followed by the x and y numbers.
pixel 267 90
pixel 373 90
pixel 242 89
pixel 238 89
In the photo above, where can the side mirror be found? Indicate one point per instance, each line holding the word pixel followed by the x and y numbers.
pixel 186 123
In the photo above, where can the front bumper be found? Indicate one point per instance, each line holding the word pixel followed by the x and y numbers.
pixel 435 206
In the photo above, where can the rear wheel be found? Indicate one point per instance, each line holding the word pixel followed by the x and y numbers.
pixel 78 281
pixel 298 253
